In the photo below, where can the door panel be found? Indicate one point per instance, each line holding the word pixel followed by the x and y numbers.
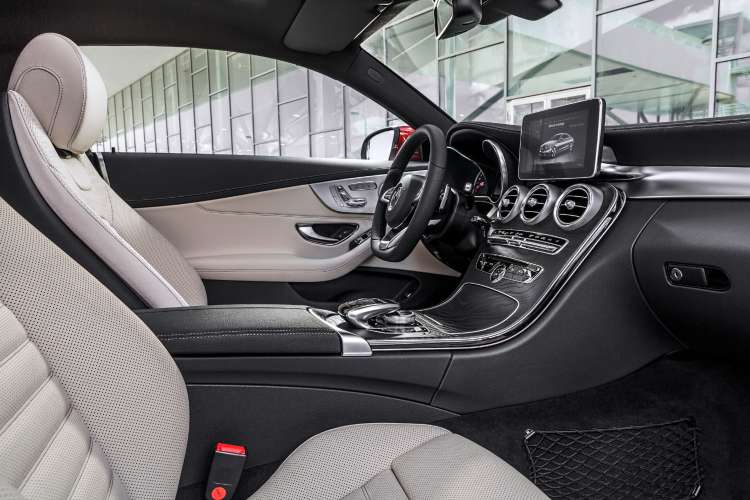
pixel 255 237
pixel 237 221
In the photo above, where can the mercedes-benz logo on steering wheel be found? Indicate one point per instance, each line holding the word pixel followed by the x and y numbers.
pixel 395 196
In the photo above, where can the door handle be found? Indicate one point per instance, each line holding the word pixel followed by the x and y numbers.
pixel 334 233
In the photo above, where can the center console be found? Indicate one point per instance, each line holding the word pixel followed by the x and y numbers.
pixel 536 239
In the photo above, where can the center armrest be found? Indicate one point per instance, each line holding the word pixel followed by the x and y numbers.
pixel 241 330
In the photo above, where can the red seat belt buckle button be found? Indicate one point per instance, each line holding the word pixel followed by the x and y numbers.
pixel 226 469
pixel 218 493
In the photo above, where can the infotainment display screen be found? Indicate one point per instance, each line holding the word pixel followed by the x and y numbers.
pixel 562 143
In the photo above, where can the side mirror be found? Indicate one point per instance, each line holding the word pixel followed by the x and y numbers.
pixel 381 145
pixel 453 17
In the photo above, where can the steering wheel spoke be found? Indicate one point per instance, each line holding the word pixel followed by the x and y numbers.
pixel 391 238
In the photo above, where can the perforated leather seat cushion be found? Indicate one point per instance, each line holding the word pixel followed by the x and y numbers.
pixel 91 404
pixel 395 461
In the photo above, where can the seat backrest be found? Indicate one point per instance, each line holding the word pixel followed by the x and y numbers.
pixel 58 108
pixel 92 406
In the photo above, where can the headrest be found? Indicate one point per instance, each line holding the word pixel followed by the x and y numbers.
pixel 63 89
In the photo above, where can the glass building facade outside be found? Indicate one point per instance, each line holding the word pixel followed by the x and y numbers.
pixel 653 61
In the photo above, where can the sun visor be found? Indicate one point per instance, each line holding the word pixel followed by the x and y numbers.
pixel 325 26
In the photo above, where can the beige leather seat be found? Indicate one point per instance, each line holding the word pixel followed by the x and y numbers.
pixel 58 106
pixel 92 406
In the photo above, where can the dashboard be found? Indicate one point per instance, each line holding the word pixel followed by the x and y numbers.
pixel 531 233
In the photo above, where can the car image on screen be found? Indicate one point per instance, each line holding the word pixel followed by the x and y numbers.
pixel 559 143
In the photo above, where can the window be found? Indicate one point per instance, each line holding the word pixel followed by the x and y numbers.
pixel 551 54
pixel 213 101
pixel 733 87
pixel 464 75
pixel 652 60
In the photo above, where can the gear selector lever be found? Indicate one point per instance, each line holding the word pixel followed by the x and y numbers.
pixel 359 312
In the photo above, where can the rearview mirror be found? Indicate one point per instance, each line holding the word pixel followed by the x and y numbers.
pixel 453 17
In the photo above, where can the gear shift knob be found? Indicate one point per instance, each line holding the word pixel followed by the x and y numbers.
pixel 359 312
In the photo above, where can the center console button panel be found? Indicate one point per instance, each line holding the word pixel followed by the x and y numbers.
pixel 528 240
pixel 500 268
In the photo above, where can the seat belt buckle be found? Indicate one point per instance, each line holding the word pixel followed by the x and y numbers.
pixel 225 472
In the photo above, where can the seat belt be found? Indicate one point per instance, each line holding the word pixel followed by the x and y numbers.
pixel 97 160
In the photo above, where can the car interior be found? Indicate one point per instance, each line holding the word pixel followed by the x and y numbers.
pixel 458 309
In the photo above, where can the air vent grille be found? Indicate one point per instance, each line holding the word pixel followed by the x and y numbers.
pixel 577 206
pixel 573 206
pixel 535 202
pixel 508 202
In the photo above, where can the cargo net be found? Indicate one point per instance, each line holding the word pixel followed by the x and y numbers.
pixel 651 461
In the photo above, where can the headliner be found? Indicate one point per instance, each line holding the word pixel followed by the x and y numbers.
pixel 252 26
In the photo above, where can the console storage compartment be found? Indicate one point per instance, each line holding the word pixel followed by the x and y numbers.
pixel 241 330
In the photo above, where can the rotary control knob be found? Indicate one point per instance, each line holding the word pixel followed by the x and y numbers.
pixel 498 272
pixel 400 318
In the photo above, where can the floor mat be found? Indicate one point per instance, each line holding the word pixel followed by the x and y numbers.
pixel 657 462
pixel 714 392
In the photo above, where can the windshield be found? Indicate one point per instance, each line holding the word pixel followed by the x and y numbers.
pixel 656 61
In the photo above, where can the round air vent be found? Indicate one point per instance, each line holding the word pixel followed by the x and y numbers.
pixel 510 203
pixel 538 203
pixel 577 205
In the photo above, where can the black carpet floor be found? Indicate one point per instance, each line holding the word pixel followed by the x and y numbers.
pixel 716 394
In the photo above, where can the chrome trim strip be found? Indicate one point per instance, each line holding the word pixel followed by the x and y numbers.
pixel 675 182
pixel 351 345
pixel 501 161
pixel 546 299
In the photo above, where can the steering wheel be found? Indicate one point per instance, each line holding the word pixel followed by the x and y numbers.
pixel 407 201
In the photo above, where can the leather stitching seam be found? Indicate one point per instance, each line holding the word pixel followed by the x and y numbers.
pixel 60 90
